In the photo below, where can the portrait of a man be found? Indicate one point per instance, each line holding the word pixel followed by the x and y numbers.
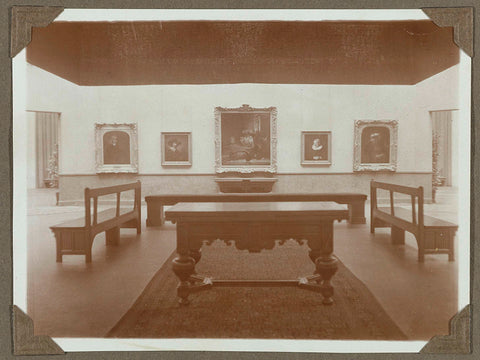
pixel 316 148
pixel 375 145
pixel 176 148
pixel 116 148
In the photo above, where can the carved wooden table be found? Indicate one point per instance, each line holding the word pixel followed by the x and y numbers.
pixel 254 226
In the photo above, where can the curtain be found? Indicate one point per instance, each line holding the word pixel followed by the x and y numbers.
pixel 47 126
pixel 442 128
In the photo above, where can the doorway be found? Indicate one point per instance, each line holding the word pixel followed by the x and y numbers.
pixel 47 129
pixel 442 140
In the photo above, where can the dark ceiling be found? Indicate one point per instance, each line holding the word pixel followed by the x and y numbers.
pixel 211 52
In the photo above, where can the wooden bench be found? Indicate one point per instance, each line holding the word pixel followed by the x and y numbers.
pixel 75 237
pixel 155 203
pixel 434 236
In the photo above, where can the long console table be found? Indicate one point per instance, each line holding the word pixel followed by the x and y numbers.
pixel 255 226
pixel 155 203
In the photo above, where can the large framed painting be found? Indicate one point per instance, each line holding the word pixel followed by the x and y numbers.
pixel 245 139
pixel 375 146
pixel 116 148
pixel 176 149
pixel 316 148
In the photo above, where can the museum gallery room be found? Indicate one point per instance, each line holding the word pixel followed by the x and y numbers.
pixel 243 179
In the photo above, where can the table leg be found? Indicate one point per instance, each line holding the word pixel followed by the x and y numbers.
pixel 326 265
pixel 183 265
pixel 196 254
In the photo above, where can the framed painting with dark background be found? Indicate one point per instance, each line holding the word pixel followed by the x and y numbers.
pixel 245 139
pixel 375 147
pixel 116 148
pixel 316 148
pixel 176 149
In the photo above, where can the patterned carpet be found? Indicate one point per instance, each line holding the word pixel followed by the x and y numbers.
pixel 242 312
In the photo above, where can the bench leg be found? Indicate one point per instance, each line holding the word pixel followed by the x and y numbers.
pixel 421 248
pixel 59 255
pixel 451 255
pixel 112 236
pixel 162 215
pixel 139 226
pixel 356 212
pixel 58 240
pixel 88 256
pixel 154 214
pixel 398 236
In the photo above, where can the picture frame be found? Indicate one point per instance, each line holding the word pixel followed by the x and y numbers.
pixel 316 148
pixel 246 139
pixel 176 148
pixel 375 145
pixel 116 148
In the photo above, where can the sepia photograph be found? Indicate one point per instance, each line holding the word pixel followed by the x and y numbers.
pixel 129 236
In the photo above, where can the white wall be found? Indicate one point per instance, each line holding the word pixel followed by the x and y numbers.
pixel 47 92
pixel 157 108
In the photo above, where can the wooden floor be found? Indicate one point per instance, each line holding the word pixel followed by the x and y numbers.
pixel 74 299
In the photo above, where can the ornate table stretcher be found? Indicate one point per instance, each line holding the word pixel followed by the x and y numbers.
pixel 254 226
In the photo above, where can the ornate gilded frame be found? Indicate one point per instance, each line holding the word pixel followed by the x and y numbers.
pixel 100 131
pixel 361 125
pixel 248 168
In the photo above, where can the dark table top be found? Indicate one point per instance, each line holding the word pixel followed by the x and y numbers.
pixel 257 209
pixel 253 196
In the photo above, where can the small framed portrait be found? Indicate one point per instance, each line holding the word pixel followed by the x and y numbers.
pixel 116 148
pixel 176 148
pixel 375 146
pixel 316 148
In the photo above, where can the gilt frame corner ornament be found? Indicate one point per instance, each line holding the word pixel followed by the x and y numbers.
pixel 246 158
pixel 125 158
pixel 389 162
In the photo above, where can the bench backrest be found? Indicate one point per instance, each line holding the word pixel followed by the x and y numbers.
pixel 107 190
pixel 416 196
